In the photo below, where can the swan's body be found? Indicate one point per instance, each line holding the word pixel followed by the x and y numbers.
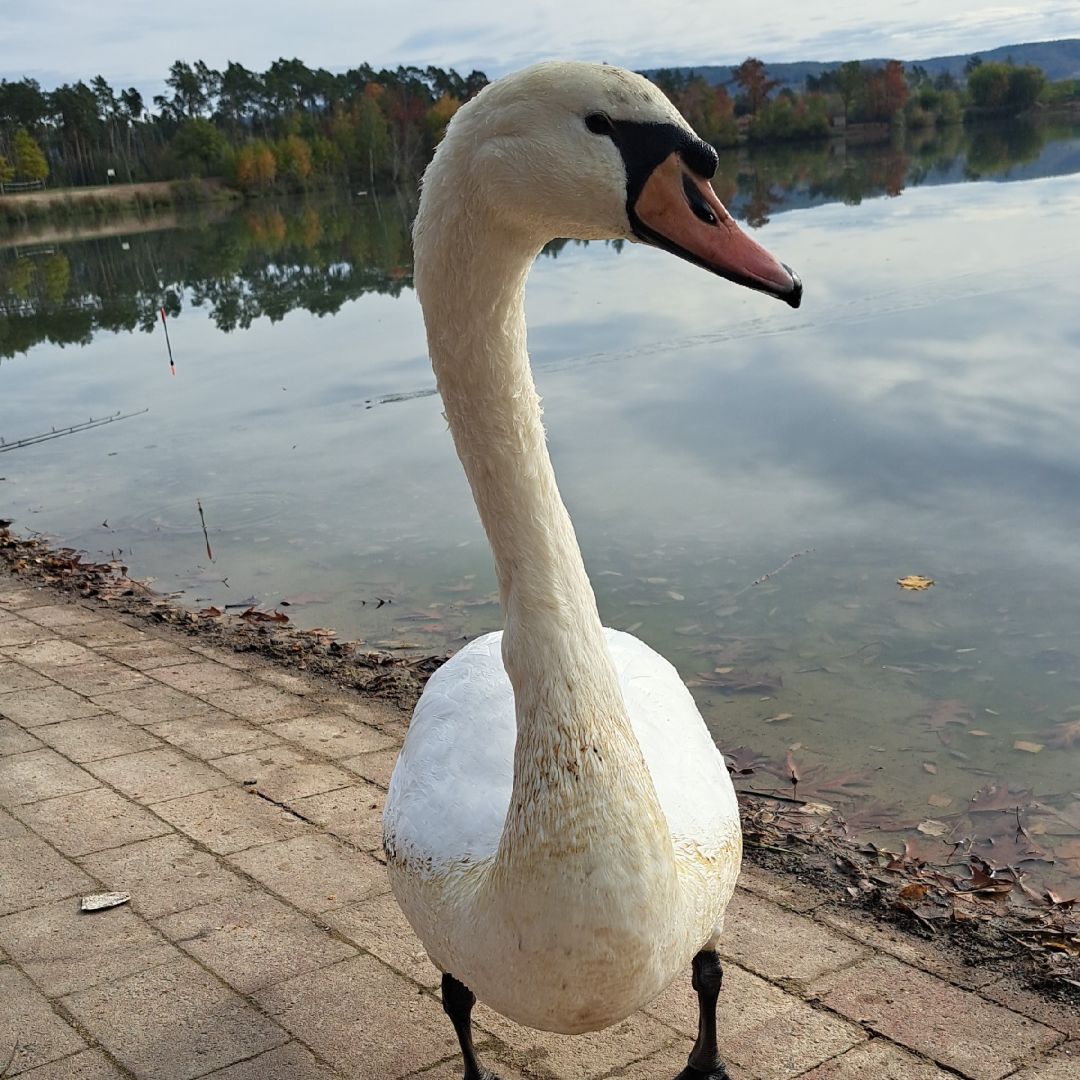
pixel 554 969
pixel 561 830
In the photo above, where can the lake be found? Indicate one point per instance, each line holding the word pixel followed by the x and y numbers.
pixel 748 482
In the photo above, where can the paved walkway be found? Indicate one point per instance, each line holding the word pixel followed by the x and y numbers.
pixel 240 806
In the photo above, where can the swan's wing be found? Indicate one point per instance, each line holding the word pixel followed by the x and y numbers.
pixel 688 771
pixel 452 782
pixel 451 785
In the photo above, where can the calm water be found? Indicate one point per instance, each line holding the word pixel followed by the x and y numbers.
pixel 916 416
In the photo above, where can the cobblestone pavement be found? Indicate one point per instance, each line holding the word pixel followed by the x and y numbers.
pixel 240 806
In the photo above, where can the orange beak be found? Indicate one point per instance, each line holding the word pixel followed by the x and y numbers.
pixel 678 210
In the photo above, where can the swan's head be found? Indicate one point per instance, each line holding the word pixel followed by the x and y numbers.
pixel 595 152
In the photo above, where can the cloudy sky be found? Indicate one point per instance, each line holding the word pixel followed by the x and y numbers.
pixel 133 41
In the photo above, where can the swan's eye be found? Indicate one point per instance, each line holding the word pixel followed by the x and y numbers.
pixel 599 124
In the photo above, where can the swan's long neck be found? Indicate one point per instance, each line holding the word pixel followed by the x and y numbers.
pixel 580 782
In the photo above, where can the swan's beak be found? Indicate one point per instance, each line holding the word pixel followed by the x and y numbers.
pixel 678 210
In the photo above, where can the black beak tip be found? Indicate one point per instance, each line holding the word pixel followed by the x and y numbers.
pixel 793 298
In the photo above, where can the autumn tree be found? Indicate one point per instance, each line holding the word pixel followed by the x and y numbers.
pixel 30 163
pixel 750 75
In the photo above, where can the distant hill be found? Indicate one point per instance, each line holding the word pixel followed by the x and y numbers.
pixel 1058 59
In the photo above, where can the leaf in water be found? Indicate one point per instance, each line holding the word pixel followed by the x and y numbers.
pixel 997 797
pixel 778 717
pixel 254 615
pixel 930 827
pixel 930 767
pixel 1027 747
pixel 940 800
pixel 948 712
pixel 915 582
pixel 976 731
pixel 1060 901
pixel 743 761
pixel 1064 736
pixel 211 612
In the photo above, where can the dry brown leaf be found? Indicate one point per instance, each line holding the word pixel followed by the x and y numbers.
pixel 1027 747
pixel 915 582
pixel 778 717
pixel 930 827
pixel 940 800
pixel 930 767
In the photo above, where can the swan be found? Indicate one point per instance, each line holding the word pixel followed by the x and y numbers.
pixel 561 831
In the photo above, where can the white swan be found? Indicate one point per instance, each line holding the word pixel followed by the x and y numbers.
pixel 561 830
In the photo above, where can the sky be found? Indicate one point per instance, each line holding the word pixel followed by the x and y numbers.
pixel 133 42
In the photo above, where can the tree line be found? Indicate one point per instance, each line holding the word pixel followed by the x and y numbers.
pixel 294 127
pixel 290 125
pixel 754 108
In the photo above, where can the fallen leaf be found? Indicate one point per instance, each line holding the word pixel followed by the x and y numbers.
pixel 930 767
pixel 915 582
pixel 1027 747
pixel 914 891
pixel 930 827
pixel 778 717
pixel 976 731
pixel 940 800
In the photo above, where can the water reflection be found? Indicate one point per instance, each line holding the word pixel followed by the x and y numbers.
pixel 917 415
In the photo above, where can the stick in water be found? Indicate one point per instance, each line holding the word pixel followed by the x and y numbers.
pixel 209 553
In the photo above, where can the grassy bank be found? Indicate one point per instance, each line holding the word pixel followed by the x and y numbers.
pixel 104 202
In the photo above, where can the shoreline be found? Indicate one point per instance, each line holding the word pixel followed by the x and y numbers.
pixel 984 919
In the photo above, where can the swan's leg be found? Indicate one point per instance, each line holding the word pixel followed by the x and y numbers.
pixel 458 1001
pixel 704 1061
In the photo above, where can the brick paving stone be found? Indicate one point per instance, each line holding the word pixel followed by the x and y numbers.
pixel 252 940
pixel 289 1062
pixel 927 955
pixel 1058 1015
pixel 228 819
pixel 154 775
pixel 780 945
pixel 148 653
pixel 377 767
pixel 102 632
pixel 1062 1064
pixel 14 676
pixel 47 705
pixel 16 631
pixel 40 774
pixel 877 1059
pixel 201 678
pixel 29 1029
pixel 543 1054
pixel 954 1027
pixel 64 949
pixel 353 813
pixel 154 704
pixel 363 1019
pixel 34 873
pixel 229 659
pixel 94 737
pixel 378 927
pixel 90 821
pixel 785 890
pixel 98 676
pixel 164 875
pixel 10 829
pixel 62 616
pixel 283 680
pixel 333 736
pixel 660 1063
pixel 16 740
pixel 261 704
pixel 54 652
pixel 173 1022
pixel 769 1034
pixel 492 1057
pixel 213 734
pixel 283 773
pixel 316 873
pixel 89 1065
